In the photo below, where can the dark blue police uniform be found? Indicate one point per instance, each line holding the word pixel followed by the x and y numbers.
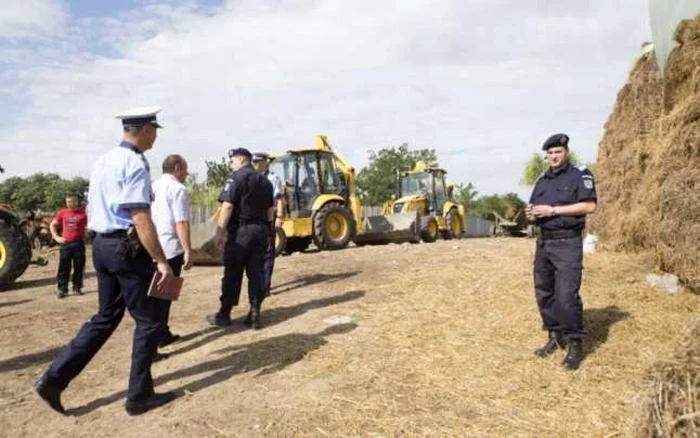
pixel 120 181
pixel 559 255
pixel 247 238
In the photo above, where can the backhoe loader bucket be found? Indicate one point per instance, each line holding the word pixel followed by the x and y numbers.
pixel 203 236
pixel 395 228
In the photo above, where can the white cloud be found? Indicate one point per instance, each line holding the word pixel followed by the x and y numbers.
pixel 483 83
pixel 31 18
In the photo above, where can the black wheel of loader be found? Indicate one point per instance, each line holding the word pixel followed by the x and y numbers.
pixel 280 241
pixel 15 253
pixel 334 226
pixel 429 232
pixel 453 225
pixel 297 244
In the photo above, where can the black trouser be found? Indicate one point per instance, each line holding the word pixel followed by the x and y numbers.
pixel 244 250
pixel 558 267
pixel 71 253
pixel 176 265
pixel 122 284
pixel 270 259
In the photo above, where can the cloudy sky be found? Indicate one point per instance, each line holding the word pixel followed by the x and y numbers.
pixel 482 82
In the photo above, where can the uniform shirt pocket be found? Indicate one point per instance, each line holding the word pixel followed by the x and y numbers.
pixel 566 194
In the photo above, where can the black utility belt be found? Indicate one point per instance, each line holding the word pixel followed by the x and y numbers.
pixel 113 234
pixel 558 234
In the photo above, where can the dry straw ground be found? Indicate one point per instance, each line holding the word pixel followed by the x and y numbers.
pixel 394 341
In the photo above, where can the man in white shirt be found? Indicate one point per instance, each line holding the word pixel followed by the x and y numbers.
pixel 171 215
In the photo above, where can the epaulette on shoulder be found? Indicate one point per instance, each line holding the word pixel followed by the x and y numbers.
pixel 582 168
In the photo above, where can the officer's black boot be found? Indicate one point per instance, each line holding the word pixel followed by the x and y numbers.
pixel 49 393
pixel 556 339
pixel 255 318
pixel 575 354
pixel 222 318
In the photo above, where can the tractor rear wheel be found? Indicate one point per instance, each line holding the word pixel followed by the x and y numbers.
pixel 15 253
pixel 334 226
pixel 453 225
pixel 429 233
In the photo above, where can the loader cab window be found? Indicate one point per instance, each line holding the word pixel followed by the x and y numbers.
pixel 307 180
pixel 285 167
pixel 440 191
pixel 416 184
pixel 330 181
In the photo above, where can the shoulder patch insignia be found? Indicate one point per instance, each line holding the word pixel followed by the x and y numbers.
pixel 588 183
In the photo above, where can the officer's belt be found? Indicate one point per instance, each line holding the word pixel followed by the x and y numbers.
pixel 252 222
pixel 113 234
pixel 558 234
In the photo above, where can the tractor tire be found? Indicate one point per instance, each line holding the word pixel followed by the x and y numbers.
pixel 296 244
pixel 280 241
pixel 15 253
pixel 453 225
pixel 334 227
pixel 429 232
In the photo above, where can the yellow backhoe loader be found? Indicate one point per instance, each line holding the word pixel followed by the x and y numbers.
pixel 322 205
pixel 424 190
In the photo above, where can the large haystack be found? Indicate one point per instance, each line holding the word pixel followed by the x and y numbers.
pixel 671 406
pixel 648 165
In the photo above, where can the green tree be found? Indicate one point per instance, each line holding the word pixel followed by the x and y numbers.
pixel 537 165
pixel 201 195
pixel 41 191
pixel 377 181
pixel 505 205
pixel 217 172
pixel 465 193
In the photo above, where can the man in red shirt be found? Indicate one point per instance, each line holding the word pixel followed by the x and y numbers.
pixel 73 222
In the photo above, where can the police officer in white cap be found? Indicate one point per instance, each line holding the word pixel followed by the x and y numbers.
pixel 125 243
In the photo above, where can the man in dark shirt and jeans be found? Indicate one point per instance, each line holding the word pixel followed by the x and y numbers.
pixel 560 201
pixel 246 211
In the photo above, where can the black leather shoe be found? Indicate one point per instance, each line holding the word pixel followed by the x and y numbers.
pixel 50 394
pixel 574 356
pixel 141 406
pixel 219 320
pixel 77 292
pixel 248 319
pixel 61 293
pixel 556 340
pixel 168 339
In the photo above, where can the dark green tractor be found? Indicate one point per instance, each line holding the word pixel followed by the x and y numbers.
pixel 15 247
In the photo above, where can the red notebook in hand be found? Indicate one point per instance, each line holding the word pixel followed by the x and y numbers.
pixel 169 291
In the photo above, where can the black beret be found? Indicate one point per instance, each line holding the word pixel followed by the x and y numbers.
pixel 260 156
pixel 556 140
pixel 239 152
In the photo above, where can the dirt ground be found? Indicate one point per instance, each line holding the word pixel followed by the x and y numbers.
pixel 399 340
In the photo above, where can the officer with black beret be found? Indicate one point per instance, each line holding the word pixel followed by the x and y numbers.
pixel 246 211
pixel 560 201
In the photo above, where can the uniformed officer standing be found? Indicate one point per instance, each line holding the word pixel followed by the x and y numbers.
pixel 246 210
pixel 119 202
pixel 261 162
pixel 560 201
